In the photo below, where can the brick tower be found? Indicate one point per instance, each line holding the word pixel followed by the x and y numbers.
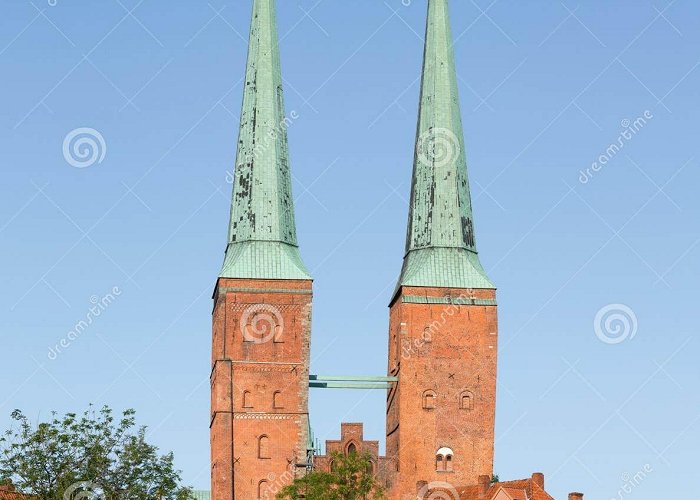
pixel 262 301
pixel 443 323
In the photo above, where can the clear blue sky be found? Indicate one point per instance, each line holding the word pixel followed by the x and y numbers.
pixel 545 88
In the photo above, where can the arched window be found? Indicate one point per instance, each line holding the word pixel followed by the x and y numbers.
pixel 277 400
pixel 352 449
pixel 466 400
pixel 278 337
pixel 443 460
pixel 429 399
pixel 249 334
pixel 263 447
pixel 247 399
pixel 263 491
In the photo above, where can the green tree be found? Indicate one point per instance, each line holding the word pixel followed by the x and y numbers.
pixel 351 478
pixel 88 456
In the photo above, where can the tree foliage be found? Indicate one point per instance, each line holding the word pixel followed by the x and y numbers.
pixel 89 456
pixel 350 478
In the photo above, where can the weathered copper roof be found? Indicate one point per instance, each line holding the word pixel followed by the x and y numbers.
pixel 440 244
pixel 262 240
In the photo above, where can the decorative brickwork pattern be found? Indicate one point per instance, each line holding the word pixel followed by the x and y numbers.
pixel 445 358
pixel 259 381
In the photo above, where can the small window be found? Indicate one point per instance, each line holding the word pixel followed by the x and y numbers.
pixel 263 447
pixel 429 400
pixel 466 400
pixel 247 399
pixel 249 332
pixel 278 337
pixel 443 460
pixel 263 491
pixel 277 400
pixel 352 449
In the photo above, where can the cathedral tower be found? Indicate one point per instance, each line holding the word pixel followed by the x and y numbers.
pixel 443 323
pixel 262 301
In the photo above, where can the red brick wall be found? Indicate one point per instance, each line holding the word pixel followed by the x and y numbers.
pixel 449 349
pixel 259 385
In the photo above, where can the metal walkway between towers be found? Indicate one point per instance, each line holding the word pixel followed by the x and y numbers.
pixel 351 382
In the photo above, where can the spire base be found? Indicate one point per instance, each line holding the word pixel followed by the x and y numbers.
pixel 263 260
pixel 442 267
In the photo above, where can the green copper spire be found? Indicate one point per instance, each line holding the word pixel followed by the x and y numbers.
pixel 440 245
pixel 262 240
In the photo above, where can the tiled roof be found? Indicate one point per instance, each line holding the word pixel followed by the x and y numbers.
pixel 8 495
pixel 7 492
pixel 521 489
